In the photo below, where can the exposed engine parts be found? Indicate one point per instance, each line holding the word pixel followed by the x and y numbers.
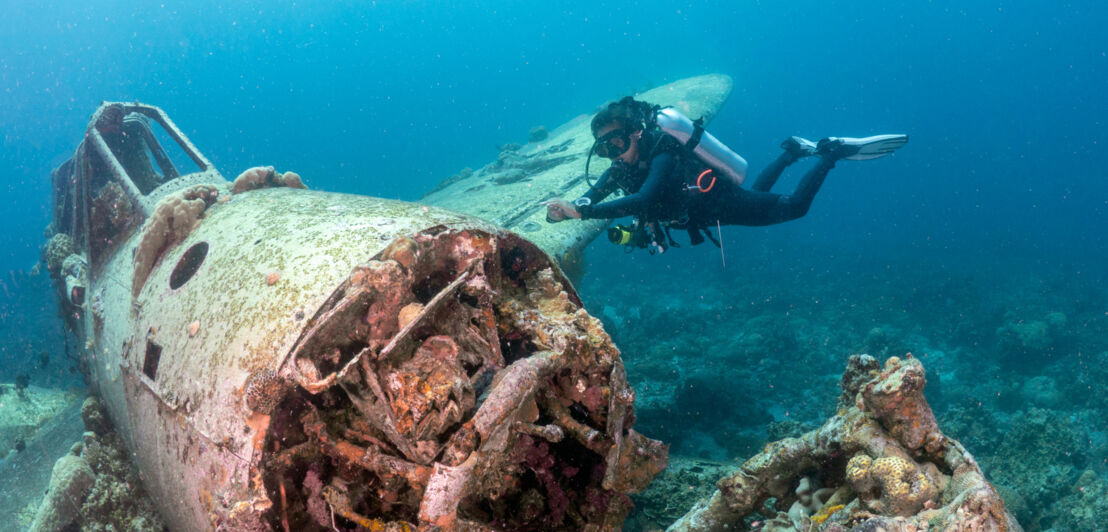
pixel 451 383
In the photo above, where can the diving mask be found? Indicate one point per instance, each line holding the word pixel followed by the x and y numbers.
pixel 613 143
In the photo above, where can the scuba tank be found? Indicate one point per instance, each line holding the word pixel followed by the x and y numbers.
pixel 689 133
pixel 710 150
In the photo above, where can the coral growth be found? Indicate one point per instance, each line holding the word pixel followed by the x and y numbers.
pixel 903 474
pixel 1025 336
pixel 174 218
pixel 70 484
pixel 263 390
pixel 980 385
pixel 1088 500
pixel 1026 345
pixel 264 177
pixel 111 214
pixel 93 417
pixel 116 500
pixel 1040 454
pixel 890 485
pixel 810 501
pixel 57 249
pixel 95 487
pixel 482 397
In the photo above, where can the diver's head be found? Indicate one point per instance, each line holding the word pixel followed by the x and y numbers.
pixel 617 130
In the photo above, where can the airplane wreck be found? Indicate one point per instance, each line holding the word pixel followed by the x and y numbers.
pixel 278 358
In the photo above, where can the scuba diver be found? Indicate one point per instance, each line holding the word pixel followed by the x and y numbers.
pixel 674 175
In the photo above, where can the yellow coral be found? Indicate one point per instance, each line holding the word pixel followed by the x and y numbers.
pixel 857 471
pixel 903 487
pixel 825 513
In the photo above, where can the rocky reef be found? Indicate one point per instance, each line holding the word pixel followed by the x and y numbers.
pixel 95 487
pixel 880 463
pixel 737 350
pixel 23 411
pixel 69 486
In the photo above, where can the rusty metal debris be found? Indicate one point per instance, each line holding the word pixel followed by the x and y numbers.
pixel 500 405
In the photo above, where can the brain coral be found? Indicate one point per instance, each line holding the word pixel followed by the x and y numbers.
pixel 263 391
pixel 57 249
pixel 265 176
pixel 902 489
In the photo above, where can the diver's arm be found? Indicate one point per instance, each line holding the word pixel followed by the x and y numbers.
pixel 558 209
pixel 603 188
pixel 660 168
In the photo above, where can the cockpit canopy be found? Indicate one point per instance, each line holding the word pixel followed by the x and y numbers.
pixel 117 175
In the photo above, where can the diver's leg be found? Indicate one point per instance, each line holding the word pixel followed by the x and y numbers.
pixel 795 148
pixel 766 208
pixel 797 204
pixel 769 174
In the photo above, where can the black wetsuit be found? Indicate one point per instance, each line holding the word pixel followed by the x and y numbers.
pixel 656 190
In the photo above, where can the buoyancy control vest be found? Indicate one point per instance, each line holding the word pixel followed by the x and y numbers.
pixel 694 183
pixel 688 139
pixel 690 134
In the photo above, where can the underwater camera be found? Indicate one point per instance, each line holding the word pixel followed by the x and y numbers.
pixel 628 235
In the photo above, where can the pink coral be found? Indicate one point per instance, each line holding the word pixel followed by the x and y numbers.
pixel 263 177
pixel 174 218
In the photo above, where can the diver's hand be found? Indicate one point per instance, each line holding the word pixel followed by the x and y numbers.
pixel 559 209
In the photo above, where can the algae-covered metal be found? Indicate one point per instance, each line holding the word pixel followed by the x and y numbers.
pixel 290 359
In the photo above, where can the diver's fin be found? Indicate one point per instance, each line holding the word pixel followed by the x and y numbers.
pixel 861 149
pixel 799 146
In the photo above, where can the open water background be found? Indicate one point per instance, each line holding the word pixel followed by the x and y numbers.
pixel 1003 182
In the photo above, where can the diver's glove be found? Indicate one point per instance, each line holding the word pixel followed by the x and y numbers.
pixel 558 210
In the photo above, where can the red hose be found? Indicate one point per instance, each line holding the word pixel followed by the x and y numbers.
pixel 700 177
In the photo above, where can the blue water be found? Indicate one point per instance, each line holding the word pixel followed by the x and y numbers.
pixel 1001 192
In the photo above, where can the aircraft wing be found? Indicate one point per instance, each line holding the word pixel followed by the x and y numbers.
pixel 509 191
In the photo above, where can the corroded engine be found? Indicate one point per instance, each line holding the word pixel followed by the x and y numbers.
pixel 453 380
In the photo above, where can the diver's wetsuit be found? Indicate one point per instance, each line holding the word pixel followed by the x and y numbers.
pixel 656 190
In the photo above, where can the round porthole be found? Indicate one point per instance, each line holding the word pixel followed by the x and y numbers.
pixel 188 265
